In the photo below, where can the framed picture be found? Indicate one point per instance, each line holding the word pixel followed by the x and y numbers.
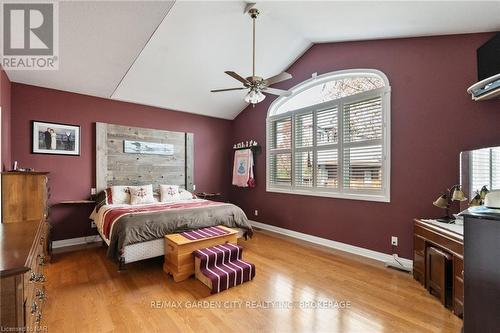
pixel 55 138
pixel 151 148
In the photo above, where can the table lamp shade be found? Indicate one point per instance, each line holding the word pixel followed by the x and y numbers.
pixel 441 202
pixel 458 195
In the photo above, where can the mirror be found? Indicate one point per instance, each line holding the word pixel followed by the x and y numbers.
pixel 478 168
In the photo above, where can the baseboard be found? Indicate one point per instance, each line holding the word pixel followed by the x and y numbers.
pixel 383 257
pixel 76 241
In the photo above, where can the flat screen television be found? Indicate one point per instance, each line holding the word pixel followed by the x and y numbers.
pixel 488 58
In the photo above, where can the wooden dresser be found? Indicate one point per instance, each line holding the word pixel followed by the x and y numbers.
pixel 23 255
pixel 24 244
pixel 438 261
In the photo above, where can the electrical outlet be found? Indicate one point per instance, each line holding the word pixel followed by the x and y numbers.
pixel 194 187
pixel 394 241
pixel 92 225
pixel 93 191
pixel 256 213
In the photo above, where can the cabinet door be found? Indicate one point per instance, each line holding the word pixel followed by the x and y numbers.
pixel 419 259
pixel 458 286
pixel 24 197
pixel 482 275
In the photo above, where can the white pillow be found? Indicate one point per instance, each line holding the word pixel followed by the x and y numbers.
pixel 185 195
pixel 141 194
pixel 120 194
pixel 169 193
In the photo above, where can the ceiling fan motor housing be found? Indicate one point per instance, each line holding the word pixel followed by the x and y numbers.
pixel 254 12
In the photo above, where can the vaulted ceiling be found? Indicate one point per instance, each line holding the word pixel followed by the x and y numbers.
pixel 171 54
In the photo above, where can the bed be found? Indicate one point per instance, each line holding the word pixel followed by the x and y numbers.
pixel 136 232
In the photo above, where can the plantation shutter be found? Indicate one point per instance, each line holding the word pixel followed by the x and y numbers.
pixel 327 172
pixel 304 132
pixel 495 168
pixel 485 169
pixel 362 146
pixel 280 157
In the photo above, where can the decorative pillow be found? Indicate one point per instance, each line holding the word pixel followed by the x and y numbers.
pixel 169 193
pixel 120 195
pixel 141 194
pixel 102 198
pixel 185 195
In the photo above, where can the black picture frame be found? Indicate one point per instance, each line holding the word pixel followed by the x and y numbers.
pixel 67 138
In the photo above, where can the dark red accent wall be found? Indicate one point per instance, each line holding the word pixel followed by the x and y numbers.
pixel 433 119
pixel 71 177
pixel 5 103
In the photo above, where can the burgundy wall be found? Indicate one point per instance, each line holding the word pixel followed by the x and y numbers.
pixel 5 103
pixel 71 177
pixel 433 119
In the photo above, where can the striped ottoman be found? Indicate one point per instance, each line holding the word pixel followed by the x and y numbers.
pixel 221 267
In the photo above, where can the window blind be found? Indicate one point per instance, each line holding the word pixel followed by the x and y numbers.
pixel 362 151
pixel 280 157
pixel 486 169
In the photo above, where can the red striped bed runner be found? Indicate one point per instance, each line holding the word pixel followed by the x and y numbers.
pixel 222 264
pixel 204 233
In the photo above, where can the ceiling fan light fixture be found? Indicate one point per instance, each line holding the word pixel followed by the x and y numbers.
pixel 254 96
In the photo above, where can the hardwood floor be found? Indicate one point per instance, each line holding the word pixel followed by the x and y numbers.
pixel 87 294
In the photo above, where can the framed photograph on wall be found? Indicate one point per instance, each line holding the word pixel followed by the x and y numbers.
pixel 55 138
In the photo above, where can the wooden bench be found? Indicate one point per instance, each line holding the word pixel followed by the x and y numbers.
pixel 179 260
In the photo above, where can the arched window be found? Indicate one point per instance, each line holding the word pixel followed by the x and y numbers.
pixel 331 137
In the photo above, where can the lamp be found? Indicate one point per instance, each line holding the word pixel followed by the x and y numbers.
pixel 483 192
pixel 254 96
pixel 476 201
pixel 445 200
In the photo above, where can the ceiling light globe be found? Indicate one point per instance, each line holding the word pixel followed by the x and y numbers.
pixel 254 97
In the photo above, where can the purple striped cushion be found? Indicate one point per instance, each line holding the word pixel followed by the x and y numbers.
pixel 222 264
pixel 204 233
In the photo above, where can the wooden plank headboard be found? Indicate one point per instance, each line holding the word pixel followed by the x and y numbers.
pixel 115 167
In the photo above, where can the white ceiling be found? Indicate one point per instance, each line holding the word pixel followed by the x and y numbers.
pixel 98 42
pixel 112 50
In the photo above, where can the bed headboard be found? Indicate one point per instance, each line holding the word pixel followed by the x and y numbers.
pixel 115 167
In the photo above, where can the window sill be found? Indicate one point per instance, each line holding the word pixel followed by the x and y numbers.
pixel 348 196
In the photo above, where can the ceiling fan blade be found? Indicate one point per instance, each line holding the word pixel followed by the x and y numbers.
pixel 275 91
pixel 237 77
pixel 278 78
pixel 219 90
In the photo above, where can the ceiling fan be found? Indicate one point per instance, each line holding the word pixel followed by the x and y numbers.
pixel 256 85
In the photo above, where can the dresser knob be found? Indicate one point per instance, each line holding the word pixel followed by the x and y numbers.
pixel 34 308
pixel 37 277
pixel 40 294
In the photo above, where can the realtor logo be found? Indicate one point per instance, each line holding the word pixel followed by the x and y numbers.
pixel 29 36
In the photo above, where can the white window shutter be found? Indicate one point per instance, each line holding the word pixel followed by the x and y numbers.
pixel 362 152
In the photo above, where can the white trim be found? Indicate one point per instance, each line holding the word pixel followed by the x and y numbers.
pixel 379 256
pixel 319 192
pixel 76 241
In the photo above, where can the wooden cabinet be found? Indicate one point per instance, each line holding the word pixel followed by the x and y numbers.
pixel 22 259
pixel 24 196
pixel 482 274
pixel 24 239
pixel 438 254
